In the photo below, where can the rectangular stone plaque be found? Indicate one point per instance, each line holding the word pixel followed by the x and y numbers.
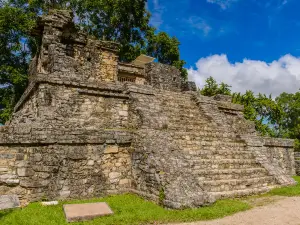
pixel 9 202
pixel 87 211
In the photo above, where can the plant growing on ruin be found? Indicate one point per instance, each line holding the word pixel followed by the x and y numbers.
pixel 162 195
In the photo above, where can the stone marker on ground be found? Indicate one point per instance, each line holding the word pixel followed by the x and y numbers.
pixel 49 203
pixel 87 211
pixel 9 202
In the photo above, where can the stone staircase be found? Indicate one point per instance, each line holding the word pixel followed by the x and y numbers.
pixel 219 161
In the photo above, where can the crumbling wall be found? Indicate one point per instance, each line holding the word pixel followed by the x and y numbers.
pixel 297 163
pixel 69 106
pixel 64 48
pixel 162 76
pixel 136 74
pixel 38 163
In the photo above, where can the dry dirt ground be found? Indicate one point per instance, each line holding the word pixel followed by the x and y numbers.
pixel 267 211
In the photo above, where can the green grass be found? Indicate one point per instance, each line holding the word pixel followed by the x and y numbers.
pixel 131 209
pixel 128 209
pixel 287 191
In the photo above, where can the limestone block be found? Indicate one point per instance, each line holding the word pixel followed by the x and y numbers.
pixel 9 201
pixel 111 149
pixel 9 179
pixel 114 175
pixel 87 211
pixel 64 194
pixel 91 163
pixel 124 182
pixel 24 171
pixel 4 169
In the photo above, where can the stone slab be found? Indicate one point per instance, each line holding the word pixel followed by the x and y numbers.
pixel 9 202
pixel 87 211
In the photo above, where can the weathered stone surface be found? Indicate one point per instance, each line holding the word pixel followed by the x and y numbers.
pixel 87 211
pixel 9 201
pixel 111 149
pixel 297 163
pixel 80 131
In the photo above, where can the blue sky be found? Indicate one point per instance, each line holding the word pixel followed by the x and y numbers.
pixel 259 37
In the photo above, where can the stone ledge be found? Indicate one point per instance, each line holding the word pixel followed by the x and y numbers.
pixel 101 93
pixel 57 80
pixel 140 89
pixel 131 69
pixel 278 142
pixel 230 106
pixel 32 135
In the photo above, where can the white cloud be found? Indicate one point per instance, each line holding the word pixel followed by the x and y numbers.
pixel 282 75
pixel 199 23
pixel 156 18
pixel 224 4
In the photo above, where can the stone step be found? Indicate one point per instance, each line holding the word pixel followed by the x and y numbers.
pixel 219 154
pixel 223 164
pixel 237 184
pixel 206 132
pixel 229 174
pixel 241 193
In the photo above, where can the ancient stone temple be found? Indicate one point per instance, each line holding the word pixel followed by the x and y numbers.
pixel 88 126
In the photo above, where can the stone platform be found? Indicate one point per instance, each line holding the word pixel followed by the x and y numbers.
pixel 87 211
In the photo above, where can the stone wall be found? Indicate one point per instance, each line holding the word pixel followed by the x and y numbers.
pixel 135 73
pixel 66 49
pixel 78 132
pixel 73 107
pixel 297 162
pixel 163 77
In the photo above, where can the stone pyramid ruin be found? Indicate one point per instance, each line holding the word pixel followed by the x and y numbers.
pixel 89 125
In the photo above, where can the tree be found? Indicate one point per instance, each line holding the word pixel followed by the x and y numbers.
pixel 122 21
pixel 14 57
pixel 212 88
pixel 224 89
pixel 165 49
pixel 289 126
pixel 262 110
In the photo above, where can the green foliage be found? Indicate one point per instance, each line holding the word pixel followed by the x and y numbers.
pixel 260 109
pixel 127 208
pixel 289 126
pixel 212 88
pixel 276 118
pixel 14 56
pixel 131 209
pixel 287 191
pixel 165 49
pixel 162 196
pixel 122 21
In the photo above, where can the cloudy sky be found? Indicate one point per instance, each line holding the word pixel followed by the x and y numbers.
pixel 249 44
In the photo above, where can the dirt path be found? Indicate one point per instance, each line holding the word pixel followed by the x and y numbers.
pixel 282 212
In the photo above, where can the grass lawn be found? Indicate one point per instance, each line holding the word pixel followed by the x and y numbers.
pixel 287 191
pixel 130 209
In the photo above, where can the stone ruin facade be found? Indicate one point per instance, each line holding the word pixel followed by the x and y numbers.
pixel 88 126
